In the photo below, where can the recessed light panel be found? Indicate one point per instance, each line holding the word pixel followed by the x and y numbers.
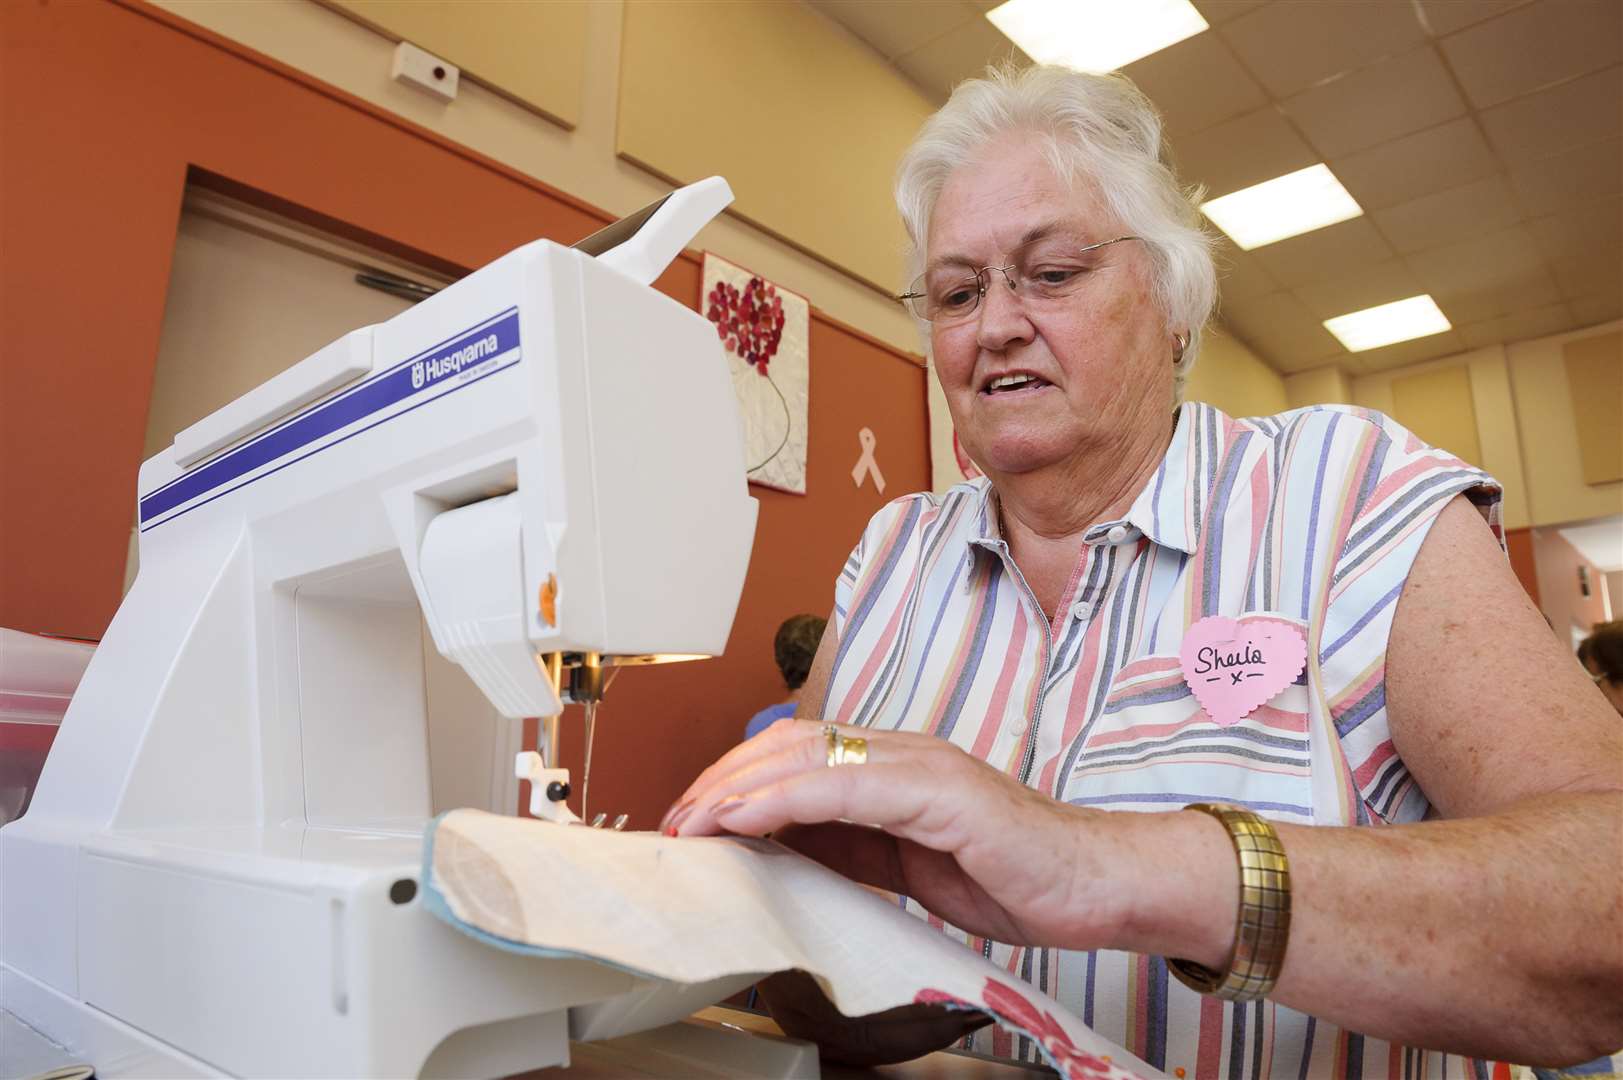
pixel 1401 320
pixel 1288 205
pixel 1095 35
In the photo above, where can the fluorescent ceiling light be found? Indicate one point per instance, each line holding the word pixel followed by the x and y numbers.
pixel 1400 320
pixel 1288 205
pixel 1095 35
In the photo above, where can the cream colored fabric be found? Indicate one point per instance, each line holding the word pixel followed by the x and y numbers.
pixel 693 910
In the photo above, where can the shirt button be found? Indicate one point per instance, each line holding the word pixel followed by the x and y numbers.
pixel 1081 609
pixel 1117 534
pixel 1017 728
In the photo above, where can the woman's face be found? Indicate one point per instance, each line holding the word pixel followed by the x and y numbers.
pixel 1101 357
pixel 1612 690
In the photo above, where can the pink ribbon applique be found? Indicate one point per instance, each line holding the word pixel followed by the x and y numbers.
pixel 866 465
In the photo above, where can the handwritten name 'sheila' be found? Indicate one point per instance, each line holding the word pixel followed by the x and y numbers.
pixel 1209 658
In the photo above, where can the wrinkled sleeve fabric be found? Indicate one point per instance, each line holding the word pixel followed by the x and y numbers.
pixel 1398 485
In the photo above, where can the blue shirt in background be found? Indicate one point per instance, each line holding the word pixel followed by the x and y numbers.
pixel 763 719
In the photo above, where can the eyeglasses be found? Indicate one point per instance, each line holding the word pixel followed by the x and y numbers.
pixel 1048 268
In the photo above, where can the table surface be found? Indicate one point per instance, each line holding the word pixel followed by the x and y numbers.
pixel 592 1061
pixel 24 1053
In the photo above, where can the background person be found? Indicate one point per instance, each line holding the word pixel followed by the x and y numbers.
pixel 793 647
pixel 1601 654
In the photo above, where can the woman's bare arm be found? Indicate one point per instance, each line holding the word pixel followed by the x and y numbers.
pixel 1498 931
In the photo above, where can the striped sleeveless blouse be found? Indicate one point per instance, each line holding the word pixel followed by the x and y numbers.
pixel 1313 516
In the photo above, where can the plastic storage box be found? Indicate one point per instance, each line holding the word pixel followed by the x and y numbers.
pixel 38 676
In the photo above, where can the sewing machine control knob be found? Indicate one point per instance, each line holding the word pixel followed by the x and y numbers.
pixel 557 791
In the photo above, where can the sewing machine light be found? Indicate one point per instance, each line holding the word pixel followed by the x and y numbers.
pixel 655 658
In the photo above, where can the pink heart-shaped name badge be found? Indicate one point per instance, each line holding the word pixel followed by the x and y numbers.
pixel 1232 666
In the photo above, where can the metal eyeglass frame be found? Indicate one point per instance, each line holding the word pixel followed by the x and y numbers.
pixel 983 282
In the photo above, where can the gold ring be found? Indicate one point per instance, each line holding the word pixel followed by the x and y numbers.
pixel 844 749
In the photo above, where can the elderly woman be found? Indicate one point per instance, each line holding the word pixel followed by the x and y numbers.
pixel 1153 637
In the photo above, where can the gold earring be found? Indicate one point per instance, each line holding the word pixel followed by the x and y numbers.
pixel 1183 343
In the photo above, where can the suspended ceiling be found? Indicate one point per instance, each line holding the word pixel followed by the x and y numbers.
pixel 1483 139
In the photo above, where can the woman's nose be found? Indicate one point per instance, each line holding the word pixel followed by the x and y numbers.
pixel 1002 319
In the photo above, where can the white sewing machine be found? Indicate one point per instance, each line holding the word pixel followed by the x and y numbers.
pixel 543 465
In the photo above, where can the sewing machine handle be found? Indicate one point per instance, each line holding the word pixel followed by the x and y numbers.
pixel 658 233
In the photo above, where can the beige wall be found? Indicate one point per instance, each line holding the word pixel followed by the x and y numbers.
pixel 1498 434
pixel 546 74
pixel 1232 377
pixel 1436 405
pixel 1549 437
pixel 806 122
pixel 1321 386
pixel 1524 423
pixel 582 162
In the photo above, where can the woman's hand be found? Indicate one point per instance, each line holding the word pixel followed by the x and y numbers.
pixel 924 819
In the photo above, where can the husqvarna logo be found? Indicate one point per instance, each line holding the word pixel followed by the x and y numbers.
pixel 432 370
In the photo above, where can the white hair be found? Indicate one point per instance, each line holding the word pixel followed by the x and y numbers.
pixel 1098 129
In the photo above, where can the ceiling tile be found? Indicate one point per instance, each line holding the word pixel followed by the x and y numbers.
pixel 1282 331
pixel 1541 322
pixel 894 29
pixel 1487 262
pixel 1449 217
pixel 1196 83
pixel 1244 151
pixel 1447 16
pixel 1239 275
pixel 1448 343
pixel 1291 46
pixel 961 53
pixel 1432 160
pixel 1527 291
pixel 1324 253
pixel 1593 228
pixel 1395 97
pixel 1603 307
pixel 1556 183
pixel 1535 46
pixel 1583 110
pixel 1380 283
pixel 1221 11
pixel 1586 273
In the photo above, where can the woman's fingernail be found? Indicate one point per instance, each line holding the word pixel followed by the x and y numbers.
pixel 679 815
pixel 728 805
pixel 667 822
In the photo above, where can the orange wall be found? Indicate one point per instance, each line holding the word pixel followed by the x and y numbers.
pixel 105 109
pixel 1560 597
pixel 1519 545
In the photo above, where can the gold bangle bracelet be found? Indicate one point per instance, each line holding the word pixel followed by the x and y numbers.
pixel 1265 912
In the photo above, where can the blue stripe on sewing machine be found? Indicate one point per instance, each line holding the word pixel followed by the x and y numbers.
pixel 476 353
